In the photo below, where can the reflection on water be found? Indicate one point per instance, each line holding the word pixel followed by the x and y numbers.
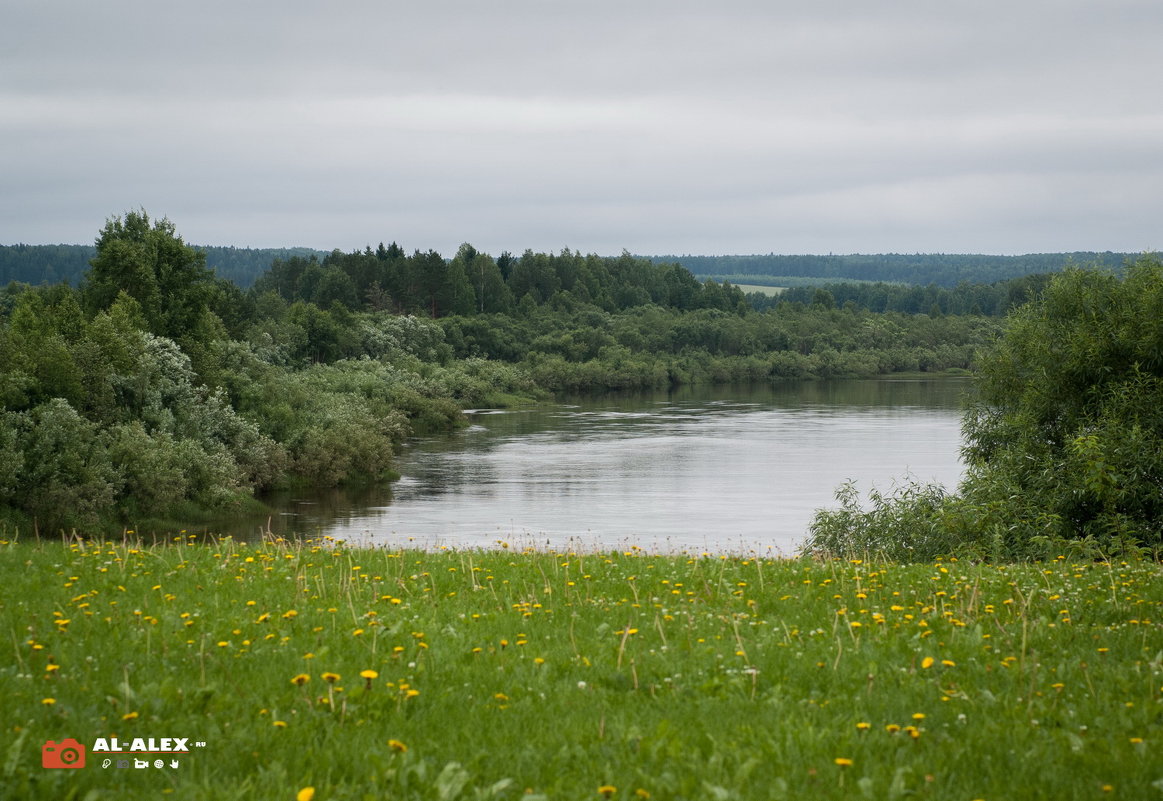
pixel 706 468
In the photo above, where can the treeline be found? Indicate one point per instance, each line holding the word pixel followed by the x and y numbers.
pixel 993 300
pixel 943 269
pixel 475 283
pixel 157 391
pixel 52 264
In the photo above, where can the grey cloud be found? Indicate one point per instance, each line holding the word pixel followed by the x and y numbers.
pixel 655 126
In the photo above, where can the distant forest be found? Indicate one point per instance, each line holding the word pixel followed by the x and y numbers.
pixel 943 269
pixel 54 264
pixel 51 264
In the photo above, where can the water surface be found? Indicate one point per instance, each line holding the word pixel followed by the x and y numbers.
pixel 704 468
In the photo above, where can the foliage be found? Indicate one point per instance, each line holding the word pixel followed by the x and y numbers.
pixel 1064 444
pixel 1071 408
pixel 542 675
pixel 175 395
pixel 996 299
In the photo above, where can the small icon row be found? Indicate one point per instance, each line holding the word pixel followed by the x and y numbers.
pixel 139 763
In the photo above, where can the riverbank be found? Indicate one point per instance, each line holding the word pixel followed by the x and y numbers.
pixel 472 674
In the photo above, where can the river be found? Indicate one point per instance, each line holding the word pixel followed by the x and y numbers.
pixel 717 469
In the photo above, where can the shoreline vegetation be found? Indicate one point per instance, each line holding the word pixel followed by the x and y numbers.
pixel 432 675
pixel 156 395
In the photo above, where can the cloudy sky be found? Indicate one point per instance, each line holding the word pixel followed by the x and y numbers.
pixel 661 127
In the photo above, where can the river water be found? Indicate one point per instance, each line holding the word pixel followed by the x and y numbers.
pixel 718 469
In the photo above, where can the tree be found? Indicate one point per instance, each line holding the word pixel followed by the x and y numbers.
pixel 151 263
pixel 1064 441
pixel 1070 413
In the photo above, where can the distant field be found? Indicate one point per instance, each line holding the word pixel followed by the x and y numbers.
pixel 763 290
pixel 754 282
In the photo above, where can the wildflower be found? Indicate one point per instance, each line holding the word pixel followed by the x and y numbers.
pixel 369 674
pixel 300 680
pixel 919 716
pixel 948 663
pixel 397 746
pixel 129 716
pixel 927 662
pixel 279 724
pixel 51 667
pixel 641 793
pixel 607 790
pixel 48 701
pixel 306 794
pixel 331 678
pixel 842 762
pixel 863 726
pixel 892 728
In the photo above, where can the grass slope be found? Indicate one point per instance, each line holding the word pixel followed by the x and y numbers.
pixel 316 670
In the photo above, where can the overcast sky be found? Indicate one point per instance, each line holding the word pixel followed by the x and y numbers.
pixel 843 126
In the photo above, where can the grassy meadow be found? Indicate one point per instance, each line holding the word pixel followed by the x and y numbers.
pixel 312 670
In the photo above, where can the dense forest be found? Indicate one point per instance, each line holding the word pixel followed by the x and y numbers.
pixel 943 269
pixel 50 264
pixel 158 391
pixel 994 300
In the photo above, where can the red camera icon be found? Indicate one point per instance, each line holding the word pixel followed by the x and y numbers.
pixel 65 754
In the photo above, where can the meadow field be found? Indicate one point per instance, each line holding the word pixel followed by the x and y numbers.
pixel 312 670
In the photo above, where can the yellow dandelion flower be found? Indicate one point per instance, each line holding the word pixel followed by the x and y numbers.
pixel 863 726
pixel 918 716
pixel 279 724
pixel 843 762
pixel 331 678
pixel 607 790
pixel 948 663
pixel 397 746
pixel 129 716
pixel 927 662
pixel 300 680
pixel 892 728
pixel 48 701
pixel 369 674
pixel 306 794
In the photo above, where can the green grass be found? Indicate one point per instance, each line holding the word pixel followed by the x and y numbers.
pixel 549 675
